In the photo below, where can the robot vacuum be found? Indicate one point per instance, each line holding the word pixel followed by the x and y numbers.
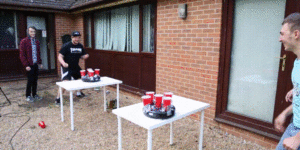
pixel 159 113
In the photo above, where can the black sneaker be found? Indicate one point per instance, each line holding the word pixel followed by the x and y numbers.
pixel 57 101
pixel 81 95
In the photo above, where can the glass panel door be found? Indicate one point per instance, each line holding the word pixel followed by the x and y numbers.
pixel 255 58
pixel 41 35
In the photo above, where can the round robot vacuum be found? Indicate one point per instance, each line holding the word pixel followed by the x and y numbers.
pixel 90 79
pixel 159 113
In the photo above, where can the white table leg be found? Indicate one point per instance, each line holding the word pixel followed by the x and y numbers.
pixel 118 90
pixel 171 133
pixel 71 110
pixel 149 140
pixel 104 94
pixel 61 105
pixel 201 130
pixel 119 134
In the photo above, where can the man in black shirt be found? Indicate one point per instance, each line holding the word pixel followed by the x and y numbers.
pixel 68 57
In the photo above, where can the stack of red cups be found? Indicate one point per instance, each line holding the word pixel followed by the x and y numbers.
pixel 159 99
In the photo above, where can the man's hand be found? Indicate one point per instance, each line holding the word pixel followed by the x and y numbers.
pixel 85 56
pixel 279 122
pixel 291 143
pixel 41 66
pixel 28 68
pixel 289 96
pixel 66 65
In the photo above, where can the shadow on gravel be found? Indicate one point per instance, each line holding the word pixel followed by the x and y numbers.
pixel 15 91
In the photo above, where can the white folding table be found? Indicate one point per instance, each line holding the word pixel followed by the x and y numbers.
pixel 184 107
pixel 79 85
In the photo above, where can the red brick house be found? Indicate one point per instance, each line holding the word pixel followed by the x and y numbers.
pixel 225 53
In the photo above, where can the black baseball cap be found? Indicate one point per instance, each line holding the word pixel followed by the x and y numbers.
pixel 76 33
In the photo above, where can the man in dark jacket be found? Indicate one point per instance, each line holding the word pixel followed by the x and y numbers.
pixel 30 58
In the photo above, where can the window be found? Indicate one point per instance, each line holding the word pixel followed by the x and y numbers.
pixel 119 29
pixel 249 80
pixel 8 28
pixel 148 28
pixel 252 85
pixel 88 31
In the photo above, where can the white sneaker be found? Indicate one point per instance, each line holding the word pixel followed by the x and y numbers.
pixel 29 99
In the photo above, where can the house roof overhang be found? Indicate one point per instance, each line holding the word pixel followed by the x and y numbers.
pixel 97 5
pixel 60 6
pixel 35 5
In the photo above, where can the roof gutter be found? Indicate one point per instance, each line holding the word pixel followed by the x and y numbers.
pixel 29 8
pixel 94 2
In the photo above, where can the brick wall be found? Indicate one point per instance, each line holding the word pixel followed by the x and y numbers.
pixel 78 26
pixel 188 57
pixel 66 24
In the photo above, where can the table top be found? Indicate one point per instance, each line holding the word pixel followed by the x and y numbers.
pixel 79 84
pixel 184 107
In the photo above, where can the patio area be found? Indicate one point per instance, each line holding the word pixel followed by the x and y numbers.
pixel 94 128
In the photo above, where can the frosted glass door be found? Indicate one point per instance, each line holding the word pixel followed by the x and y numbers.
pixel 40 24
pixel 254 58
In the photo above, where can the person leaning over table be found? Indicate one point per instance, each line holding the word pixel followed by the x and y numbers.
pixel 68 57
pixel 290 38
pixel 31 60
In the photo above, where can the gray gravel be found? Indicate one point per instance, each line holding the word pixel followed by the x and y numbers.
pixel 94 128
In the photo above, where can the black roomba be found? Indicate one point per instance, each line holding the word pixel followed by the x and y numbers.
pixel 90 79
pixel 159 113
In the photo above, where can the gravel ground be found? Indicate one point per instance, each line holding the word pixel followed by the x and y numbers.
pixel 94 128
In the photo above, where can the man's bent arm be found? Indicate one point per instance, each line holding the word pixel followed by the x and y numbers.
pixel 281 118
pixel 288 111
pixel 61 60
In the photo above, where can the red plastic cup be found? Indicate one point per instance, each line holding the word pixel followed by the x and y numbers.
pixel 42 124
pixel 91 73
pixel 89 69
pixel 167 101
pixel 158 100
pixel 168 94
pixel 146 100
pixel 82 73
pixel 97 72
pixel 150 93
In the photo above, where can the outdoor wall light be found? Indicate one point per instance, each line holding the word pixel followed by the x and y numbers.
pixel 182 11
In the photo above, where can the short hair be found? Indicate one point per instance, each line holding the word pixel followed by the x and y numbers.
pixel 293 21
pixel 32 27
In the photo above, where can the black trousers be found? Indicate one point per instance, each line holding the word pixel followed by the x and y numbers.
pixel 32 76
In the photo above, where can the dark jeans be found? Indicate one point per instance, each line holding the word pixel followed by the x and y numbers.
pixel 32 76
